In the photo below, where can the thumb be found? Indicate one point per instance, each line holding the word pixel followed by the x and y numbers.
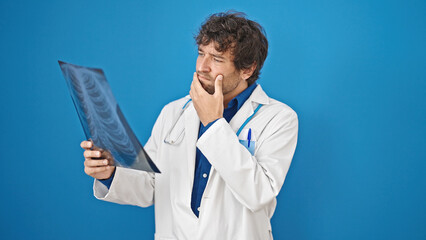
pixel 218 85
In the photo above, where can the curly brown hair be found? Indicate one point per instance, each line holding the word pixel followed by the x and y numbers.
pixel 245 38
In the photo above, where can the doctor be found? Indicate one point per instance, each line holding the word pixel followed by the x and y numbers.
pixel 224 150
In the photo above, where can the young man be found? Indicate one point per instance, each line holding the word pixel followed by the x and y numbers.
pixel 224 150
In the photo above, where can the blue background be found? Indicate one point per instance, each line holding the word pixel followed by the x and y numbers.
pixel 354 71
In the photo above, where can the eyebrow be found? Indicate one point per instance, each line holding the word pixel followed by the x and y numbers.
pixel 214 55
pixel 217 56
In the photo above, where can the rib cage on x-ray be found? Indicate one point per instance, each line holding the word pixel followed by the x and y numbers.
pixel 102 119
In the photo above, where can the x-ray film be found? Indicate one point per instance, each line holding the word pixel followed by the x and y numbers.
pixel 101 117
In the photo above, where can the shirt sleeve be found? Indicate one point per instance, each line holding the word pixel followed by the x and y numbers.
pixel 209 124
pixel 107 182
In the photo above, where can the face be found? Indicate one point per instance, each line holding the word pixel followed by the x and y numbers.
pixel 211 63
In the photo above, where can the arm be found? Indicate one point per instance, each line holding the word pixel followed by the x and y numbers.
pixel 130 186
pixel 254 180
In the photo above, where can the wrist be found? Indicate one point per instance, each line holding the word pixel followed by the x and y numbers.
pixel 210 122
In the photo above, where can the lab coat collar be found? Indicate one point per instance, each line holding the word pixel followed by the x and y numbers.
pixel 257 97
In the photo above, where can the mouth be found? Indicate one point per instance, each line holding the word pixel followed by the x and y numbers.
pixel 206 84
pixel 203 78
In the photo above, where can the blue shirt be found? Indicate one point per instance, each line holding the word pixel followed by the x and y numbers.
pixel 202 165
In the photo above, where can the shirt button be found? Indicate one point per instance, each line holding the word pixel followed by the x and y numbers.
pixel 198 208
pixel 204 175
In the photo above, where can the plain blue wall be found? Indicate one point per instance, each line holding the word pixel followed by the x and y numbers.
pixel 354 71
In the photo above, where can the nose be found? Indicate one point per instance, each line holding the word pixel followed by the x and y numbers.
pixel 203 64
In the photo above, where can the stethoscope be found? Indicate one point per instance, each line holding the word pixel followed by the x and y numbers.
pixel 170 141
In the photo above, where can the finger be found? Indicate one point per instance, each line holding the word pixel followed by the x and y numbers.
pixel 194 76
pixel 86 144
pixel 97 169
pixel 194 79
pixel 192 84
pixel 218 85
pixel 191 94
pixel 92 154
pixel 95 163
pixel 197 85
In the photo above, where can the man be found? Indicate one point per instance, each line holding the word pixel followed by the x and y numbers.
pixel 224 151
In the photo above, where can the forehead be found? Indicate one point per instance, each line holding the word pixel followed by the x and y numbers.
pixel 211 48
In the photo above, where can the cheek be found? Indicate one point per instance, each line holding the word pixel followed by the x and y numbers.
pixel 197 63
pixel 220 70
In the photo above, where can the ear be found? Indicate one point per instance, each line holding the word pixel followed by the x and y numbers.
pixel 246 73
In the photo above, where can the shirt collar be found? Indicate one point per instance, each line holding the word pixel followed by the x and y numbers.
pixel 242 97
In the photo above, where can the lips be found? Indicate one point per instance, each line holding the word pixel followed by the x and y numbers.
pixel 201 77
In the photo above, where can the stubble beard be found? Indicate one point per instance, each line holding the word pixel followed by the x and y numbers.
pixel 208 88
pixel 226 88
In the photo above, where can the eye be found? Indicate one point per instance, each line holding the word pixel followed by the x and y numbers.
pixel 217 60
pixel 200 54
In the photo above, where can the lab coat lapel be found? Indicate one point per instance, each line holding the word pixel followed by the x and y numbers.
pixel 192 125
pixel 245 111
pixel 257 97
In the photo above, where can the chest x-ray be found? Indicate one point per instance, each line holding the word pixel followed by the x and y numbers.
pixel 101 117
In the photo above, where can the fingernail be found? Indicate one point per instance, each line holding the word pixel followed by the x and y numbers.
pixel 106 162
pixel 220 77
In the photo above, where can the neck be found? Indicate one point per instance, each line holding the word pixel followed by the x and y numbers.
pixel 227 97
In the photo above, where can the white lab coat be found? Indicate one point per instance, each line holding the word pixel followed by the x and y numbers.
pixel 240 197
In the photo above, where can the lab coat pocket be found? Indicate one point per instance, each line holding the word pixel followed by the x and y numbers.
pixel 249 145
pixel 244 137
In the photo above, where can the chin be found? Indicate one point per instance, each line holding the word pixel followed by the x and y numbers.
pixel 209 89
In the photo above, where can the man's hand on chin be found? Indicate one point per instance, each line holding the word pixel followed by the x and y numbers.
pixel 209 106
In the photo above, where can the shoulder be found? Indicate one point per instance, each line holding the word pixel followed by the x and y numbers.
pixel 272 106
pixel 276 116
pixel 174 107
pixel 280 108
pixel 280 117
pixel 178 103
